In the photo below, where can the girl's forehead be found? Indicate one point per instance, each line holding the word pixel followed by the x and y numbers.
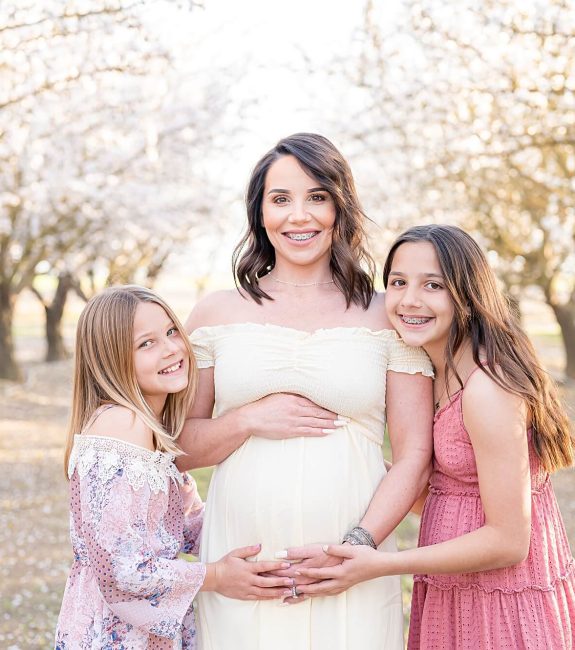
pixel 150 315
pixel 416 254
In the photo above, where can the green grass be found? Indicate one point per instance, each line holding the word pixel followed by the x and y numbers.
pixel 202 477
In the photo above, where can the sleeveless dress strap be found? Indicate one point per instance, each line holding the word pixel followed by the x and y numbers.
pixel 471 374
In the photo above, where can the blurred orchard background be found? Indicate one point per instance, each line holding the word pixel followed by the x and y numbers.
pixel 128 129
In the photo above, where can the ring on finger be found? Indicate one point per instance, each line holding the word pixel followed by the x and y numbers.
pixel 294 592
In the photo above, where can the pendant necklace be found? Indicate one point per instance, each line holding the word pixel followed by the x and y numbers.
pixel 440 396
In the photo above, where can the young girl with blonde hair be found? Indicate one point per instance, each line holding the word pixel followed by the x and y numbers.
pixel 132 511
pixel 493 568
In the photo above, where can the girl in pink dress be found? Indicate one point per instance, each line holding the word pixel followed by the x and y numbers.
pixel 132 511
pixel 493 568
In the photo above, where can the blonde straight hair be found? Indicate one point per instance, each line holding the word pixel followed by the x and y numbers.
pixel 104 370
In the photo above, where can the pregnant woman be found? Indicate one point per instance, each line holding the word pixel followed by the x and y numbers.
pixel 304 368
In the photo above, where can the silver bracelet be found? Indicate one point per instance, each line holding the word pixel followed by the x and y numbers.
pixel 359 536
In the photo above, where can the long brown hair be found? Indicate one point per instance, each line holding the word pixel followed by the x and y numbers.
pixel 500 347
pixel 104 371
pixel 254 256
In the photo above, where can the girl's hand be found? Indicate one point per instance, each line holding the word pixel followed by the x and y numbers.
pixel 359 563
pixel 311 556
pixel 284 415
pixel 235 577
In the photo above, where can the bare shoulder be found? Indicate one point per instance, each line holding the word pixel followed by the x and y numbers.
pixel 490 410
pixel 377 313
pixel 213 309
pixel 123 424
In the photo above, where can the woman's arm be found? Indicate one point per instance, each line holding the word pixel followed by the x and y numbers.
pixel 409 412
pixel 204 440
pixel 496 423
pixel 409 401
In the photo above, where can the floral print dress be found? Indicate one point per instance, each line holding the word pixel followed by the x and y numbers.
pixel 131 513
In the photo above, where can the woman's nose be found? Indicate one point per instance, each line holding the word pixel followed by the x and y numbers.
pixel 300 212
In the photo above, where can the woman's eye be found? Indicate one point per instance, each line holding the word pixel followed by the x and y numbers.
pixel 318 198
pixel 145 344
pixel 433 285
pixel 280 199
pixel 397 283
pixel 172 331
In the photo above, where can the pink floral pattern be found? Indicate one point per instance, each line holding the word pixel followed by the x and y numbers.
pixel 132 513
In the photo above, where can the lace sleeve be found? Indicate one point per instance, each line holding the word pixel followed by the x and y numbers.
pixel 203 346
pixel 122 490
pixel 407 359
pixel 193 515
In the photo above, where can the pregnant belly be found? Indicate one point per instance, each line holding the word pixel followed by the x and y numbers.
pixel 290 492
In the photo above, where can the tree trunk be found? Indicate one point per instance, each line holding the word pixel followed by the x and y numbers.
pixel 9 369
pixel 55 348
pixel 565 315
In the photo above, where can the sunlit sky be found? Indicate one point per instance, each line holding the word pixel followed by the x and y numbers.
pixel 275 52
pixel 276 58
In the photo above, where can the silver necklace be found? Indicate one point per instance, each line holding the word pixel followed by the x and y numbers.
pixel 297 284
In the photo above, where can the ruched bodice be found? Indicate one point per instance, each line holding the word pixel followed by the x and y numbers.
pixel 298 491
pixel 342 369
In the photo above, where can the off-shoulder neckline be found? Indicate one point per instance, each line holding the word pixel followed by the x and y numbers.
pixel 91 436
pixel 319 331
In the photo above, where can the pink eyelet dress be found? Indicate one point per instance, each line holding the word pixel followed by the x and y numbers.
pixel 529 606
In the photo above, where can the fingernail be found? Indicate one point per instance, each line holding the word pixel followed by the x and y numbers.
pixel 343 418
pixel 280 555
pixel 340 423
pixel 328 430
pixel 286 565
pixel 297 573
pixel 324 548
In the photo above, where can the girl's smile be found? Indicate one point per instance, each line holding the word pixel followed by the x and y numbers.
pixel 415 320
pixel 173 368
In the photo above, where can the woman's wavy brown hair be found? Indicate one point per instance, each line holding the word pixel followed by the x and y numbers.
pixel 352 267
pixel 500 347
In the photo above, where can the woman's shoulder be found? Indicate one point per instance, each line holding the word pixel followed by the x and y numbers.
pixel 121 423
pixel 376 314
pixel 215 308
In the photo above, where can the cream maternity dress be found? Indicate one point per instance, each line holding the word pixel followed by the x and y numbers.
pixel 284 493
